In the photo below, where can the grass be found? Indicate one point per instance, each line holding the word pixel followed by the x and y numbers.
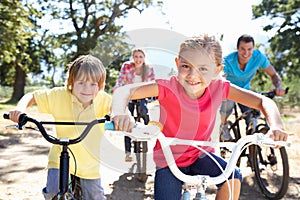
pixel 6 106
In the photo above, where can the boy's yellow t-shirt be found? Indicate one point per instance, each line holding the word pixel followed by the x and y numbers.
pixel 63 106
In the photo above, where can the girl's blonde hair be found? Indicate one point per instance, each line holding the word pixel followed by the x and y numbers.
pixel 204 43
pixel 145 67
pixel 87 67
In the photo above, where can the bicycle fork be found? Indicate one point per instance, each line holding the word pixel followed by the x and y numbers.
pixel 201 188
pixel 64 174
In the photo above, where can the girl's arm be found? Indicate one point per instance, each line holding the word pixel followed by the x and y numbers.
pixel 26 101
pixel 120 115
pixel 266 105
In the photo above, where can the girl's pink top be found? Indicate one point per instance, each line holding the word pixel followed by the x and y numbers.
pixel 186 118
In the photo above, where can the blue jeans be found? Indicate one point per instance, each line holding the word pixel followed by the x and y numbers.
pixel 91 188
pixel 227 107
pixel 167 186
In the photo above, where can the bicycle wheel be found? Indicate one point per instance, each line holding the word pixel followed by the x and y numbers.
pixel 76 187
pixel 141 161
pixel 233 131
pixel 271 169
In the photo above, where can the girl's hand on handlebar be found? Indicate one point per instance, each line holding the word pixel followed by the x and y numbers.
pixel 14 115
pixel 278 135
pixel 123 122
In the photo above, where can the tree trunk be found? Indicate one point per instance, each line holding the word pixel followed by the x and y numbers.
pixel 19 85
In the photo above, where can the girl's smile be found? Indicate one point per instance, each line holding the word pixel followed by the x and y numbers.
pixel 195 72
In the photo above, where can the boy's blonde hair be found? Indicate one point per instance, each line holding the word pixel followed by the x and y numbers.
pixel 86 67
pixel 208 44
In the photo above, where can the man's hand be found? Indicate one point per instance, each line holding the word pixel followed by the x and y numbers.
pixel 280 91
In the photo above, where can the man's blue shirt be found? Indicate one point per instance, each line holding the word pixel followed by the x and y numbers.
pixel 243 78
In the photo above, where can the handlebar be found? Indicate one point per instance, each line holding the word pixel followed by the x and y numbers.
pixel 152 131
pixel 24 118
pixel 272 94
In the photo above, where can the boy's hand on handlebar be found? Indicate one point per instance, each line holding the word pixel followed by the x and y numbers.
pixel 123 122
pixel 14 115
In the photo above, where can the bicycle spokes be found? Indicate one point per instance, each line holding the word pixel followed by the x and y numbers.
pixel 273 178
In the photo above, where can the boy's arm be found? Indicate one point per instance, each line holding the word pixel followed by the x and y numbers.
pixel 26 101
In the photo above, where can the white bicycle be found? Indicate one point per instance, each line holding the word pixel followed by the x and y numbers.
pixel 201 182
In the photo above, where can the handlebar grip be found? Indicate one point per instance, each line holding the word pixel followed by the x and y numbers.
pixel 6 116
pixel 109 126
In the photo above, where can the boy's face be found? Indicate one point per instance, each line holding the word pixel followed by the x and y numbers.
pixel 195 71
pixel 85 90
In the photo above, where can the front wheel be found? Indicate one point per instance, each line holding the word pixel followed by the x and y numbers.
pixel 271 169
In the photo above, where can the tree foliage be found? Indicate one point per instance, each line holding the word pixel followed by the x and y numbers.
pixel 284 50
pixel 17 48
pixel 83 25
pixel 89 22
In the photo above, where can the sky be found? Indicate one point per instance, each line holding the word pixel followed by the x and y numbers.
pixel 231 18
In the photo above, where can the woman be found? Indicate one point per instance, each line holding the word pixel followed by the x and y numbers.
pixel 135 71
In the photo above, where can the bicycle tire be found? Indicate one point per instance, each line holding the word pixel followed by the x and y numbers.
pixel 274 178
pixel 141 161
pixel 76 188
pixel 233 131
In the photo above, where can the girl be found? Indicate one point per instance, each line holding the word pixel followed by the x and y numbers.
pixel 135 71
pixel 189 103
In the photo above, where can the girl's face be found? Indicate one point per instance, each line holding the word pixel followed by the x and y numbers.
pixel 85 90
pixel 195 72
pixel 138 58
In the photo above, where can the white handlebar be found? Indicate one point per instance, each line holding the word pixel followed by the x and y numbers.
pixel 150 132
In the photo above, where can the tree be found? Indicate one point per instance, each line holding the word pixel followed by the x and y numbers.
pixel 92 21
pixel 16 34
pixel 31 49
pixel 284 50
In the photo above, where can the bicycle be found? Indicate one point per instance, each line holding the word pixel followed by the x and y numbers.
pixel 69 185
pixel 271 166
pixel 153 132
pixel 140 147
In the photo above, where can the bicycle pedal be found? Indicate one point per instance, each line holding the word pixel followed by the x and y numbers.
pixel 272 159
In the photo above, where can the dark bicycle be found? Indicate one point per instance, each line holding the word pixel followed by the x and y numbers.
pixel 69 185
pixel 270 165
pixel 140 148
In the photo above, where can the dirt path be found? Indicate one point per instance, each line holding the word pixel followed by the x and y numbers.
pixel 24 157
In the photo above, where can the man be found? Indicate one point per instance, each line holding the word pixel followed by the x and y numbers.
pixel 239 68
